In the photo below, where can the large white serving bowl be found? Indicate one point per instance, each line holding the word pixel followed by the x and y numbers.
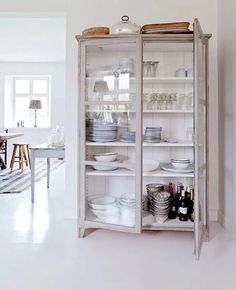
pixel 105 214
pixel 148 164
pixel 106 157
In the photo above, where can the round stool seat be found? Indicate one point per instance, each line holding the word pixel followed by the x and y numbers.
pixel 21 143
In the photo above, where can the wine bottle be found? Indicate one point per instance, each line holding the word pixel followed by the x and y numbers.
pixel 191 210
pixel 174 205
pixel 183 207
pixel 173 213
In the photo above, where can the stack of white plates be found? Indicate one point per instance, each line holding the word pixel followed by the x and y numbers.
pixel 170 168
pixel 103 206
pixel 160 205
pixel 152 134
pixel 128 137
pixel 105 157
pixel 101 131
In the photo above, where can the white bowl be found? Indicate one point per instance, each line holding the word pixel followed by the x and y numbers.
pixel 106 157
pixel 179 165
pixel 148 164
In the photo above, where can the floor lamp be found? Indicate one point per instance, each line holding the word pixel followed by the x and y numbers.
pixel 35 105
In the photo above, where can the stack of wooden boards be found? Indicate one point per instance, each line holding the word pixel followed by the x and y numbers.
pixel 176 27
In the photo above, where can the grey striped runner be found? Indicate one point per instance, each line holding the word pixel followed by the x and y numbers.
pixel 15 182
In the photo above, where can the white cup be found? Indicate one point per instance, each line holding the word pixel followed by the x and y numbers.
pixel 180 73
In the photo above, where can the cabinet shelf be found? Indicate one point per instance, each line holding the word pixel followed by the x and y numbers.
pixel 149 223
pixel 169 80
pixel 127 172
pixel 122 144
pixel 144 111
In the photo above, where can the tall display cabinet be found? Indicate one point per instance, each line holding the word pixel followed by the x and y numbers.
pixel 131 84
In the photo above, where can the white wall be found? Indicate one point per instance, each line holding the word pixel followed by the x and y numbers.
pixel 227 113
pixel 57 72
pixel 82 14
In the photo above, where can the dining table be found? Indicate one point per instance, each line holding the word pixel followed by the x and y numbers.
pixel 5 136
pixel 44 151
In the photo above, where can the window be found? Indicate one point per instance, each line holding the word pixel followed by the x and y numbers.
pixel 22 90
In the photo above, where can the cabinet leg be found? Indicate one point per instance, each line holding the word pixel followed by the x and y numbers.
pixel 81 232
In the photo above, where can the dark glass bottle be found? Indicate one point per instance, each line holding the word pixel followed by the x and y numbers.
pixel 173 213
pixel 171 189
pixel 183 207
pixel 191 211
pixel 173 206
pixel 188 198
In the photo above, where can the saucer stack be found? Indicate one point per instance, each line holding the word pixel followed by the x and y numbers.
pixel 128 137
pixel 152 134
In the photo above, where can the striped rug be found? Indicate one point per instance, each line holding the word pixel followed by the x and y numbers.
pixel 15 182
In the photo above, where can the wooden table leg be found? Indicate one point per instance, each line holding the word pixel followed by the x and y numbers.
pixel 13 157
pixel 32 175
pixel 48 172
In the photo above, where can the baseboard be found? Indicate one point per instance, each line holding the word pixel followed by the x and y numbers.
pixel 227 224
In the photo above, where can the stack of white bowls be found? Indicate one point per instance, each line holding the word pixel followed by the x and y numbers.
pixel 180 163
pixel 103 206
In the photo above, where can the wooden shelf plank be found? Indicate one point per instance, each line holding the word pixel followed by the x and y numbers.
pixel 149 223
pixel 122 144
pixel 126 172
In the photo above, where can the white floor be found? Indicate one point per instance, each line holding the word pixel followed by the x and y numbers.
pixel 39 249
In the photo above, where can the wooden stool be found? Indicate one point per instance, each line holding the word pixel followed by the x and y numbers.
pixel 23 157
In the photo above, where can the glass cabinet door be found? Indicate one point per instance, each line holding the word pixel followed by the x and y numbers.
pixel 168 155
pixel 200 136
pixel 110 128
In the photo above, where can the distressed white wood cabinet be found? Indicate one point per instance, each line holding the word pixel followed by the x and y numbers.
pixel 139 81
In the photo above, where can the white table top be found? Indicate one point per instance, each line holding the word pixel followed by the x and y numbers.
pixel 45 146
pixel 6 136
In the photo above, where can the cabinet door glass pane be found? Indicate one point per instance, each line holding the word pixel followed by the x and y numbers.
pixel 167 130
pixel 110 156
